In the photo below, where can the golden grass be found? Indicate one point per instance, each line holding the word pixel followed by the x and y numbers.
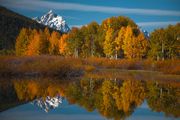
pixel 166 66
pixel 65 67
pixel 40 65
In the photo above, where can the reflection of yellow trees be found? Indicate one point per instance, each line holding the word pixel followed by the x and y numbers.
pixel 132 94
pixel 164 98
pixel 107 89
pixel 82 93
pixel 31 89
pixel 21 89
pixel 113 99
pixel 121 99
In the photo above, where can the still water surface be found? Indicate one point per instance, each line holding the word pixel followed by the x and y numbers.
pixel 89 99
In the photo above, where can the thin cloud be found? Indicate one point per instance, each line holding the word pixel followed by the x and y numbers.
pixel 78 26
pixel 70 17
pixel 38 4
pixel 145 24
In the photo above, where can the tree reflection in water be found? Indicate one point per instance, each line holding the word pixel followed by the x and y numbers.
pixel 115 99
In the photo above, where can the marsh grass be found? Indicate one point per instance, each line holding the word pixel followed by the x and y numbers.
pixel 70 67
pixel 40 66
pixel 166 66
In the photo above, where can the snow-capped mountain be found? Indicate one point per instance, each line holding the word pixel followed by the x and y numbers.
pixel 48 103
pixel 146 33
pixel 53 21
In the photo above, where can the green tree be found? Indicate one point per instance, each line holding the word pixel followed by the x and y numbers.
pixel 75 42
pixel 92 30
pixel 164 43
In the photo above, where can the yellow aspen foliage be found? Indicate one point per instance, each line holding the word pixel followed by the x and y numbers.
pixel 63 44
pixel 22 41
pixel 141 45
pixel 109 43
pixel 132 94
pixel 134 46
pixel 129 42
pixel 120 39
pixel 47 33
pixel 53 47
pixel 33 47
pixel 32 89
pixel 117 97
pixel 107 88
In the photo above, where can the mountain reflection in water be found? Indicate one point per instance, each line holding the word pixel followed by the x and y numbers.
pixel 48 103
pixel 112 99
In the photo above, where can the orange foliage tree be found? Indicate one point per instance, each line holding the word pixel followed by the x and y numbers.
pixel 134 46
pixel 53 47
pixel 63 44
pixel 33 47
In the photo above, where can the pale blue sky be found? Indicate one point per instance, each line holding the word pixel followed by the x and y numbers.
pixel 149 14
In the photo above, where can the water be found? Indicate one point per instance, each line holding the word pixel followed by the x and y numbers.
pixel 89 99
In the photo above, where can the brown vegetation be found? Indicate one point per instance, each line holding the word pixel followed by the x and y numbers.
pixel 67 67
pixel 40 66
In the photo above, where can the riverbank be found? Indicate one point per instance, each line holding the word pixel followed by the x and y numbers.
pixel 56 66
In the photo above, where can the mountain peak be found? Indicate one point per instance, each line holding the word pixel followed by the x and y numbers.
pixel 50 11
pixel 49 103
pixel 53 20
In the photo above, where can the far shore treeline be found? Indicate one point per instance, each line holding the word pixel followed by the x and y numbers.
pixel 115 37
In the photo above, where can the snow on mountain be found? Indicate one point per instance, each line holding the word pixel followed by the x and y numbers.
pixel 146 33
pixel 48 103
pixel 54 21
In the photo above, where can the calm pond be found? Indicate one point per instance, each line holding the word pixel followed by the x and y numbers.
pixel 89 99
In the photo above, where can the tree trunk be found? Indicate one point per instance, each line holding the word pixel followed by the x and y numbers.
pixel 162 50
pixel 116 55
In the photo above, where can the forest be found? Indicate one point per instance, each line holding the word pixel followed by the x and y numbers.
pixel 115 37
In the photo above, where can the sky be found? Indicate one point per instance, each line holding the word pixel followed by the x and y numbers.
pixel 148 14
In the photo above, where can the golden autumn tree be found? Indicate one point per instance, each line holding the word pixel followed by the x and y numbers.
pixel 22 41
pixel 119 41
pixel 63 44
pixel 141 45
pixel 47 33
pixel 43 42
pixel 134 46
pixel 129 43
pixel 33 47
pixel 53 46
pixel 109 43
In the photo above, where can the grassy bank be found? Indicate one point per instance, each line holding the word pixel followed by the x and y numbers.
pixel 40 66
pixel 166 66
pixel 70 67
